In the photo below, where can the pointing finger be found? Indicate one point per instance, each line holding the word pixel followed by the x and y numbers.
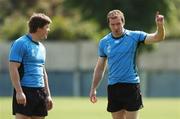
pixel 157 13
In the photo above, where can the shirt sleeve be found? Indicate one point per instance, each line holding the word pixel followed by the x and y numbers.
pixel 101 52
pixel 142 36
pixel 16 52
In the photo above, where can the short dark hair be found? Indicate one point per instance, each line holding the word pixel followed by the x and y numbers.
pixel 38 20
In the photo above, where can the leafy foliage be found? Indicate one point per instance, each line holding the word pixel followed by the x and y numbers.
pixel 72 30
pixel 84 19
pixel 66 24
pixel 139 14
pixel 13 27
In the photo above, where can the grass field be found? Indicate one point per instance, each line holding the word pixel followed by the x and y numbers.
pixel 81 108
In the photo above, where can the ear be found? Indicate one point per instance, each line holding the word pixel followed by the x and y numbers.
pixel 123 24
pixel 38 29
pixel 123 21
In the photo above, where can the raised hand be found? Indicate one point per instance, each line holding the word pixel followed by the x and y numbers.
pixel 159 19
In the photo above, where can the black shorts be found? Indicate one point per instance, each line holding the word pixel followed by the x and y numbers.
pixel 124 96
pixel 36 102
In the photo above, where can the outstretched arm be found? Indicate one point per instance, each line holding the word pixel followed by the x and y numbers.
pixel 159 35
pixel 98 73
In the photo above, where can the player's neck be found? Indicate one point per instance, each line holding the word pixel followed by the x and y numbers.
pixel 35 37
pixel 117 36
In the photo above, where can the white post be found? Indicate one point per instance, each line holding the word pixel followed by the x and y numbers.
pixel 76 78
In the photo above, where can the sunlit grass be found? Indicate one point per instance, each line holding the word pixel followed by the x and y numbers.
pixel 81 108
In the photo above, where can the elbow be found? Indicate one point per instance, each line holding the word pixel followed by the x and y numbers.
pixel 160 37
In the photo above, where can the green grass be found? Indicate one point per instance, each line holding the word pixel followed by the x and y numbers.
pixel 81 108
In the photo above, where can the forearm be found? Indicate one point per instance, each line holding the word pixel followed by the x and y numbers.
pixel 15 78
pixel 95 83
pixel 16 84
pixel 46 84
pixel 98 74
pixel 160 33
pixel 47 88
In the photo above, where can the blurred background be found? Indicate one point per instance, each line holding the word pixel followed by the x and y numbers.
pixel 77 26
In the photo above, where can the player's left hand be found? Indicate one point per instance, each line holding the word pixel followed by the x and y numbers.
pixel 49 103
pixel 159 19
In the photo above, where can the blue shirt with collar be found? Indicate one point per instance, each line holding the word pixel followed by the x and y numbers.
pixel 121 55
pixel 31 55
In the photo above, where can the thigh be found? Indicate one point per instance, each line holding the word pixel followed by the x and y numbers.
pixel 124 96
pixel 21 109
pixel 115 98
pixel 36 117
pixel 40 109
pixel 134 100
pixel 131 114
pixel 21 116
pixel 36 103
pixel 119 114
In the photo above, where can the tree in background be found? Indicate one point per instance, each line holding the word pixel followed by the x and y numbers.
pixel 84 19
pixel 173 29
pixel 138 13
pixel 66 24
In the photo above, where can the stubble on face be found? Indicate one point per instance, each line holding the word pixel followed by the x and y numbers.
pixel 44 32
pixel 116 25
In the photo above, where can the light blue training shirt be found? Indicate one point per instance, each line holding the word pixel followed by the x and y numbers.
pixel 31 55
pixel 121 55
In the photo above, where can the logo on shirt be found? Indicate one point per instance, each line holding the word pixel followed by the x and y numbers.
pixel 117 41
pixel 108 49
pixel 33 53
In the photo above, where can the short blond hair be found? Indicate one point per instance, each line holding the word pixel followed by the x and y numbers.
pixel 114 14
